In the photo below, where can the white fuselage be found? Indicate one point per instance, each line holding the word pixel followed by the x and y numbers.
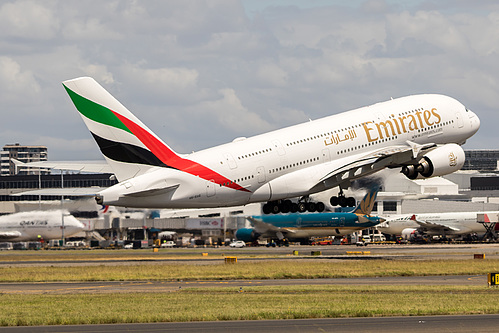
pixel 460 223
pixel 289 162
pixel 28 226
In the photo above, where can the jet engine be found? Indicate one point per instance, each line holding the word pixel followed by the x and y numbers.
pixel 247 235
pixel 438 162
pixel 409 234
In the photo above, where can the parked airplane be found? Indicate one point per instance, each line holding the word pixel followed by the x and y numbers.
pixel 434 224
pixel 304 226
pixel 420 134
pixel 26 226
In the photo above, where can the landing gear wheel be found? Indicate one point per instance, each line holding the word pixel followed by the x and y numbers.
pixel 320 207
pixel 294 207
pixel 275 208
pixel 342 201
pixel 350 202
pixel 311 207
pixel 285 206
pixel 302 207
pixel 267 209
pixel 334 201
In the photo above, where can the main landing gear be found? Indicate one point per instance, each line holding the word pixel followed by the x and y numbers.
pixel 287 206
pixel 342 201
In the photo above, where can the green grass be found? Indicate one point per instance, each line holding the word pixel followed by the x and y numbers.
pixel 292 269
pixel 290 302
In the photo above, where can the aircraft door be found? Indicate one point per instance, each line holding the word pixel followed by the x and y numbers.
pixel 260 175
pixel 342 221
pixel 230 161
pixel 326 157
pixel 278 146
pixel 210 188
pixel 459 120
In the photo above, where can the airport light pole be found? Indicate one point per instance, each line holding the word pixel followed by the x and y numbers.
pixel 62 206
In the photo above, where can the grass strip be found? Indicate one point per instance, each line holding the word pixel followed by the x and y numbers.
pixel 293 269
pixel 253 303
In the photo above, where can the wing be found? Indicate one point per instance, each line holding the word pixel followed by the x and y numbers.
pixel 6 235
pixel 436 227
pixel 70 191
pixel 268 229
pixel 83 166
pixel 340 171
pixel 364 164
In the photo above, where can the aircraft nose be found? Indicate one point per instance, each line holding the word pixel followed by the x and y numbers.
pixel 474 120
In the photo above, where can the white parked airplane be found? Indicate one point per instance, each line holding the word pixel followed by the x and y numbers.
pixel 420 134
pixel 26 226
pixel 434 224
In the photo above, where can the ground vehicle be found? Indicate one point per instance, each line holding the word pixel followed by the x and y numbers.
pixel 237 244
pixel 128 246
pixel 168 244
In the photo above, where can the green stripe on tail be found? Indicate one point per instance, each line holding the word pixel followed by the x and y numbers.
pixel 95 112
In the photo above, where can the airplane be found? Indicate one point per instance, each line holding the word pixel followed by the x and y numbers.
pixel 298 226
pixel 447 225
pixel 28 226
pixel 421 134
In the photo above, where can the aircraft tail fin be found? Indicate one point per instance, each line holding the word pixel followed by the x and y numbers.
pixel 366 205
pixel 128 145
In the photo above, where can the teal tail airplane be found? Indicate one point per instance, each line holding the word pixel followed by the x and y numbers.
pixel 299 227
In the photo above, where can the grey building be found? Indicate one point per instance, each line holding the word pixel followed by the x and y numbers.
pixel 23 154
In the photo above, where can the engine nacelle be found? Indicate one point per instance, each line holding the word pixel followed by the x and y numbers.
pixel 247 234
pixel 438 162
pixel 409 234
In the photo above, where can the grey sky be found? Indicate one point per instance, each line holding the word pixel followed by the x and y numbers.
pixel 200 73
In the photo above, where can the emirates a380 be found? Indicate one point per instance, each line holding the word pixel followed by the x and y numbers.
pixel 419 134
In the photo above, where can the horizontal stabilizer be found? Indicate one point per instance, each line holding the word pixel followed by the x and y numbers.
pixel 154 191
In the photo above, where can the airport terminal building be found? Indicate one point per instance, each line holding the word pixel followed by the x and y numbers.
pixel 465 190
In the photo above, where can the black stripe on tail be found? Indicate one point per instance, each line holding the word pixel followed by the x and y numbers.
pixel 127 153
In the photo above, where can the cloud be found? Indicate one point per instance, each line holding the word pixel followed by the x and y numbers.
pixel 15 81
pixel 200 73
pixel 28 20
pixel 232 115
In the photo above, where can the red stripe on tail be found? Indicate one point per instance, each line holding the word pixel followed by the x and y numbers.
pixel 171 159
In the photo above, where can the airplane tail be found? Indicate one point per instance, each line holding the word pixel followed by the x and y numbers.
pixel 129 147
pixel 366 205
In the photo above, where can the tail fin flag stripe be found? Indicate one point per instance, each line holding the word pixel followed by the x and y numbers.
pixel 156 154
pixel 127 153
pixel 95 112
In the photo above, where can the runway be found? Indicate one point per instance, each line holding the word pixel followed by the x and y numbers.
pixel 468 323
pixel 216 255
pixel 172 286
pixel 475 323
